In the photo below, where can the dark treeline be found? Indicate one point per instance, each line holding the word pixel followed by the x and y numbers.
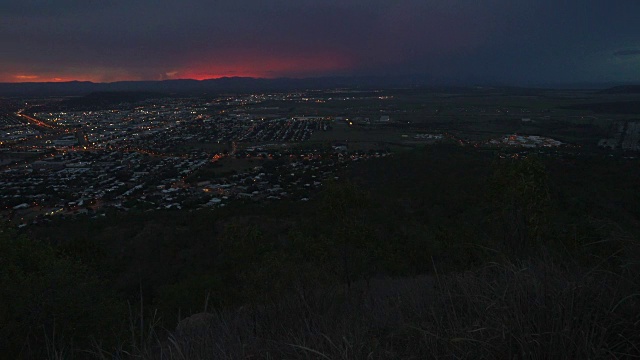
pixel 617 107
pixel 438 210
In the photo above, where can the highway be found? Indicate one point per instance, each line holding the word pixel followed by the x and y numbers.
pixel 35 121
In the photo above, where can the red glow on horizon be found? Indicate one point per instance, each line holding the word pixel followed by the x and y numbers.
pixel 268 67
pixel 190 74
pixel 24 78
pixel 245 65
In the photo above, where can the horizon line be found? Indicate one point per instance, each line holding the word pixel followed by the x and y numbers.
pixel 422 78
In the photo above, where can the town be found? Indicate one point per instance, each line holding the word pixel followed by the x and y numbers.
pixel 66 157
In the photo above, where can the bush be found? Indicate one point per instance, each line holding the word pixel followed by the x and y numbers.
pixel 515 310
pixel 50 301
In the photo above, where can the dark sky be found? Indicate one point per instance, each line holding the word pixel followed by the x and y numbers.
pixel 516 42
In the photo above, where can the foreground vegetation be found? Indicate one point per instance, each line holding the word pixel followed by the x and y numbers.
pixel 439 252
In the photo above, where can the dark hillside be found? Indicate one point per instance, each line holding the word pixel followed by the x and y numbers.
pixel 453 250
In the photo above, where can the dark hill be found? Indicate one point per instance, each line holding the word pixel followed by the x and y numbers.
pixel 102 100
pixel 626 89
pixel 227 84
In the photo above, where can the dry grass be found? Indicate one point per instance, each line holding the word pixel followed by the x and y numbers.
pixel 519 310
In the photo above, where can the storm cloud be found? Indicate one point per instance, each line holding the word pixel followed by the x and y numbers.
pixel 512 41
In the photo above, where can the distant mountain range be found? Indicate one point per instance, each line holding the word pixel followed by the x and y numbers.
pixel 242 84
pixel 229 84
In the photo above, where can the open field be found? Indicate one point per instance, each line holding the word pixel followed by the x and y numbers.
pixel 580 117
pixel 224 167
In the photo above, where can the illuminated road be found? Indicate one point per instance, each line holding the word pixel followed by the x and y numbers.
pixel 35 121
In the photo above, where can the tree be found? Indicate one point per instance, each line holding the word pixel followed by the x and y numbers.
pixel 346 232
pixel 45 297
pixel 521 202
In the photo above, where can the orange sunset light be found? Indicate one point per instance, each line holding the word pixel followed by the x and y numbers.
pixel 239 65
pixel 15 78
pixel 268 67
